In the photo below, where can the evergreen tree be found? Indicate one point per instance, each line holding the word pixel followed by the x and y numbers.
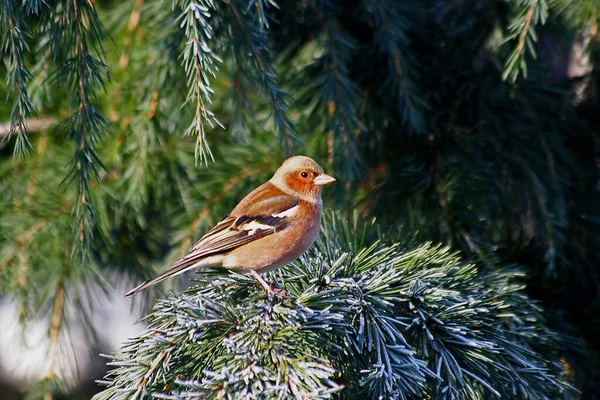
pixel 132 127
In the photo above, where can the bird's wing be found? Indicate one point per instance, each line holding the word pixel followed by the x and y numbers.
pixel 263 212
pixel 262 219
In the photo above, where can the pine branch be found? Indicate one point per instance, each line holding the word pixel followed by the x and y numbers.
pixel 248 34
pixel 200 65
pixel 391 322
pixel 15 33
pixel 241 104
pixel 19 248
pixel 391 42
pixel 75 38
pixel 339 96
pixel 145 108
pixel 549 230
pixel 443 202
pixel 23 239
pixel 522 30
pixel 583 15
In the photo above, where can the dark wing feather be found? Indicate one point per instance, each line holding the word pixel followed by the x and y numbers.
pixel 262 218
pixel 218 229
pixel 233 232
pixel 238 234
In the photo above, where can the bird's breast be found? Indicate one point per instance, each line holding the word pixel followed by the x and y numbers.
pixel 280 248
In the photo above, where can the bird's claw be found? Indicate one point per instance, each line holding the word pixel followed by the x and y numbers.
pixel 281 293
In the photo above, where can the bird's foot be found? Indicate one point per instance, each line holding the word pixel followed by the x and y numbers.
pixel 278 292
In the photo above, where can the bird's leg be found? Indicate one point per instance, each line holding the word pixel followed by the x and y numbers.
pixel 276 292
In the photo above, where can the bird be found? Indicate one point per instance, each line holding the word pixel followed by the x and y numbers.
pixel 270 227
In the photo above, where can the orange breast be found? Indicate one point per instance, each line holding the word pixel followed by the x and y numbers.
pixel 280 248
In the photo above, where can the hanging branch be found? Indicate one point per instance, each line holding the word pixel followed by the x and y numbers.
pixel 200 65
pixel 150 52
pixel 339 96
pixel 391 23
pixel 15 33
pixel 443 203
pixel 248 34
pixel 522 30
pixel 76 35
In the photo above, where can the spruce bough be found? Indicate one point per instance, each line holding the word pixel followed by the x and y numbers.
pixel 369 318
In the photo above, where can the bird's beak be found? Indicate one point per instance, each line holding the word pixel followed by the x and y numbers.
pixel 323 179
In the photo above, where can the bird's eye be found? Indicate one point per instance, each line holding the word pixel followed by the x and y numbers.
pixel 304 174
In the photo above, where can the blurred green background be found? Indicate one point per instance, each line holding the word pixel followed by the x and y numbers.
pixel 130 128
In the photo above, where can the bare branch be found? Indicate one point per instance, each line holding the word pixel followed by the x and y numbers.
pixel 33 125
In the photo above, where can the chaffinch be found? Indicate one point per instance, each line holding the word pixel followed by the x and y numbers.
pixel 270 227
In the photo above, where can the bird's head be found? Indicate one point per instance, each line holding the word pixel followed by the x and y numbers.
pixel 301 175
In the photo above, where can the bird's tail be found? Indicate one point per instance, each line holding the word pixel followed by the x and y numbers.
pixel 175 270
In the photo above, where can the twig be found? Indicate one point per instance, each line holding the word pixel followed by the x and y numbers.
pixel 25 238
pixel 55 323
pixel 33 125
pixel 525 32
pixel 148 374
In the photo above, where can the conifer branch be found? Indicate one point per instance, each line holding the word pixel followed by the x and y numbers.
pixel 15 33
pixel 392 44
pixel 404 323
pixel 240 100
pixel 339 96
pixel 78 35
pixel 55 329
pixel 549 257
pixel 132 27
pixel 522 29
pixel 200 64
pixel 249 34
pixel 149 120
pixel 443 202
